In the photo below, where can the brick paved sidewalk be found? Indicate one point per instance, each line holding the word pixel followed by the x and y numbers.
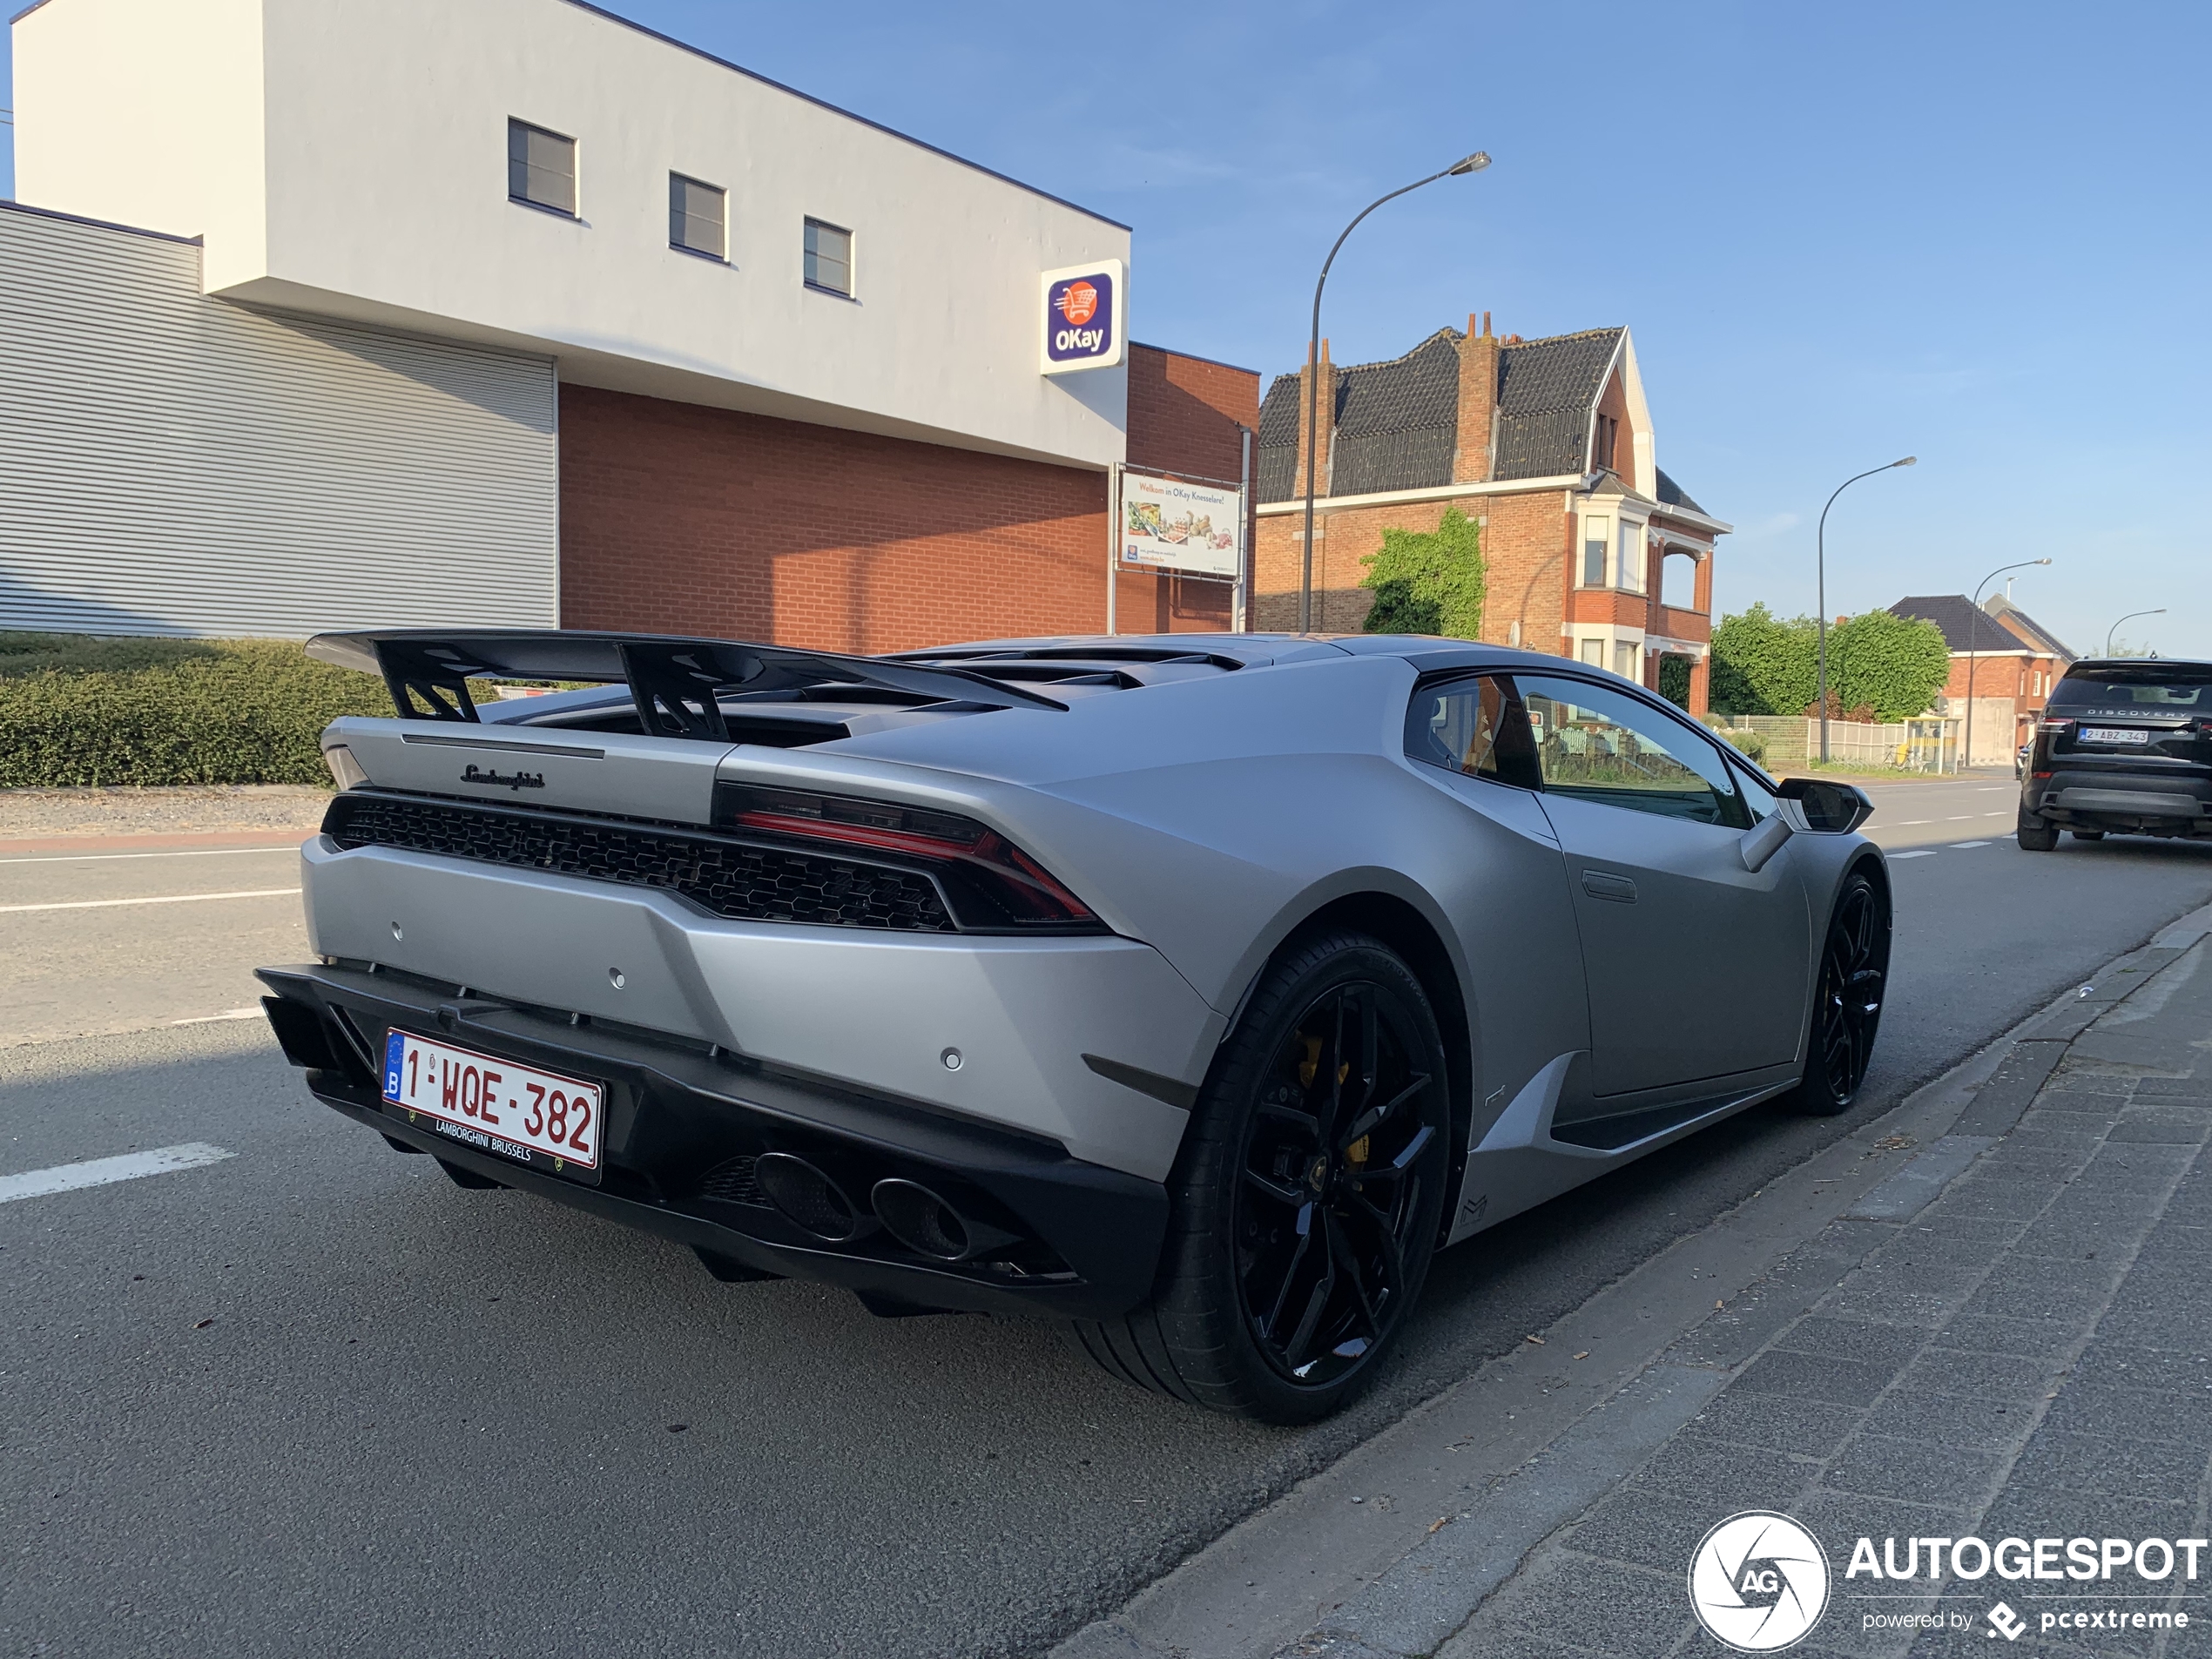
pixel 2024 1351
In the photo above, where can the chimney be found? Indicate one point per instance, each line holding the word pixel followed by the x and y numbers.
pixel 1471 460
pixel 1326 409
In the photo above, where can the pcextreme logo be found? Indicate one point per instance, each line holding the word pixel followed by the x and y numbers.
pixel 1758 1581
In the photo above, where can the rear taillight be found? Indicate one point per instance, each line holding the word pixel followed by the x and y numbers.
pixel 2053 726
pixel 990 882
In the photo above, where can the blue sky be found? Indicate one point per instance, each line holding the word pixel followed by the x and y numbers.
pixel 1974 232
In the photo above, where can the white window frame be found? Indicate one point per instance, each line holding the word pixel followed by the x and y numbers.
pixel 720 255
pixel 852 288
pixel 1589 523
pixel 1629 573
pixel 574 211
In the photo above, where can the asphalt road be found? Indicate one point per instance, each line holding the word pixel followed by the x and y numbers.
pixel 313 1398
pixel 116 941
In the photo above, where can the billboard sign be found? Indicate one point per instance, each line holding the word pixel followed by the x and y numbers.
pixel 1197 529
pixel 1085 316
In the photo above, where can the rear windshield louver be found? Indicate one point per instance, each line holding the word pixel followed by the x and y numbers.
pixel 724 876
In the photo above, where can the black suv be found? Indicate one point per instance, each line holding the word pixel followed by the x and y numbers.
pixel 2125 747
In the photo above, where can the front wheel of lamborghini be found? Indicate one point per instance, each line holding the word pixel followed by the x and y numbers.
pixel 1847 999
pixel 1306 1198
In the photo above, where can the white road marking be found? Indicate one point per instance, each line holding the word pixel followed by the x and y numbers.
pixel 1958 818
pixel 177 898
pixel 1963 845
pixel 253 1013
pixel 99 1172
pixel 1926 853
pixel 188 852
pixel 1911 822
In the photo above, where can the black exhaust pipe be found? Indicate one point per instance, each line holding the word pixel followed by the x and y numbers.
pixel 929 1225
pixel 810 1200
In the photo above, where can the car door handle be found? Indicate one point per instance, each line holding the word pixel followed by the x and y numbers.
pixel 1617 889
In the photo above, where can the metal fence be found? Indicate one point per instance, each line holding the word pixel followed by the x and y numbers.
pixel 1929 745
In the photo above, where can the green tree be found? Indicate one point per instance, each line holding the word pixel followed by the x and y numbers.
pixel 1428 581
pixel 1894 665
pixel 1763 664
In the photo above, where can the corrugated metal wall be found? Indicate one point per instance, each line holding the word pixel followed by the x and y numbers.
pixel 173 464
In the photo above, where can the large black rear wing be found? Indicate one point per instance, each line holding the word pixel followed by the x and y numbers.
pixel 677 684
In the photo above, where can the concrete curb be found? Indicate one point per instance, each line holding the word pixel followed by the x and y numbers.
pixel 1393 1549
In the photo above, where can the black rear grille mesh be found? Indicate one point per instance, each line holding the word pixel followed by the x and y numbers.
pixel 733 1182
pixel 744 881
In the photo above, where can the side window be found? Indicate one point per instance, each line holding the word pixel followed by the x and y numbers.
pixel 1596 745
pixel 1474 725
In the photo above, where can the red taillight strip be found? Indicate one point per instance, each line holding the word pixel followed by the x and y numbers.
pixel 824 829
pixel 991 851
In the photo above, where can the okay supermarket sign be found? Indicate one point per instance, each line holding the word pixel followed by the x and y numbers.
pixel 1085 309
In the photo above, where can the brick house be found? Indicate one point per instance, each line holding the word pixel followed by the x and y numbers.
pixel 2013 661
pixel 1591 551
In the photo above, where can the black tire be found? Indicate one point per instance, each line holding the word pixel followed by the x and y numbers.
pixel 1246 1316
pixel 2035 834
pixel 1847 999
pixel 2087 835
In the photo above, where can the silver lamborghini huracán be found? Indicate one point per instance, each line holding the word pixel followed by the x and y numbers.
pixel 1190 990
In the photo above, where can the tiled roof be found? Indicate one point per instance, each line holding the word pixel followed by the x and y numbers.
pixel 1278 423
pixel 1545 391
pixel 2020 623
pixel 1967 628
pixel 1397 422
pixel 1673 494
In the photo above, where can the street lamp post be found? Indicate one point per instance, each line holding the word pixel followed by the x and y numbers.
pixel 1475 163
pixel 1821 583
pixel 2130 617
pixel 1973 630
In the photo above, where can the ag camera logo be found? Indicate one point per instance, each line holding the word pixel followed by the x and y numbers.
pixel 1758 1581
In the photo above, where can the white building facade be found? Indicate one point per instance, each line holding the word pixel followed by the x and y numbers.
pixel 543 194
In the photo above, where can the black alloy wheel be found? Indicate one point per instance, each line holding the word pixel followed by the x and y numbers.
pixel 1308 1196
pixel 1847 1002
pixel 1334 1173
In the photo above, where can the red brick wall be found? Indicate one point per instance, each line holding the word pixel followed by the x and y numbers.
pixel 1186 417
pixel 676 518
pixel 1523 551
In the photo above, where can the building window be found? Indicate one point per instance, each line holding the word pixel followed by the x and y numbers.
pixel 1594 652
pixel 1628 660
pixel 1608 430
pixel 1632 556
pixel 829 257
pixel 695 216
pixel 541 168
pixel 1597 533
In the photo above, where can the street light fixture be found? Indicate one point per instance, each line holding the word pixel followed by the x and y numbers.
pixel 1974 630
pixel 1821 581
pixel 2130 617
pixel 1475 163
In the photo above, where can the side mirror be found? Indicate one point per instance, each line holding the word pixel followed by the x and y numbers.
pixel 1828 808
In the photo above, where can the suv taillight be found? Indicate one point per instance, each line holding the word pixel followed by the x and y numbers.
pixel 990 882
pixel 2052 726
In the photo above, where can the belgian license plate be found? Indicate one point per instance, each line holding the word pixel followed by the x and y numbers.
pixel 2114 734
pixel 535 1117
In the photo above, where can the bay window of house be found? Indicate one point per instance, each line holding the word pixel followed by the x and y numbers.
pixel 1594 652
pixel 1631 556
pixel 1628 659
pixel 1597 536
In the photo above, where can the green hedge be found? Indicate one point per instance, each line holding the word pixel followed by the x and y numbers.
pixel 80 710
